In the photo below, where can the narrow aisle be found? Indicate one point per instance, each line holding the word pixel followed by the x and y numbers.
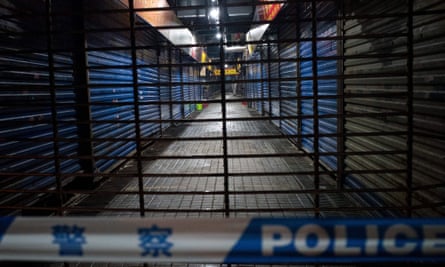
pixel 260 182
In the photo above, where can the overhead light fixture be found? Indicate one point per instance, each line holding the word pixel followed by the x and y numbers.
pixel 235 48
pixel 239 14
pixel 214 13
pixel 226 66
pixel 191 16
pixel 218 35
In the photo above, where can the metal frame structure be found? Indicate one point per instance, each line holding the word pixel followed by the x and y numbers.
pixel 348 94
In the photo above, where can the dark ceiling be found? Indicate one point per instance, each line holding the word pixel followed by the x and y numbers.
pixel 236 15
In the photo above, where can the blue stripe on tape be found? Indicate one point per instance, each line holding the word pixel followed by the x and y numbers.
pixel 330 240
pixel 5 222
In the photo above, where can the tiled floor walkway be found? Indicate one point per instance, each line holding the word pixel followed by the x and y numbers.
pixel 250 195
pixel 253 194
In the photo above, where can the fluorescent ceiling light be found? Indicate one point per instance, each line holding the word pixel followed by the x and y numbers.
pixel 191 16
pixel 238 14
pixel 235 48
pixel 214 13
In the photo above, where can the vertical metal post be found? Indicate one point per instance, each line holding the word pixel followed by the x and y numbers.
pixel 224 109
pixel 199 93
pixel 202 89
pixel 341 98
pixel 280 101
pixel 158 62
pixel 269 82
pixel 170 88
pixel 298 88
pixel 82 95
pixel 315 110
pixel 181 81
pixel 54 122
pixel 136 107
pixel 410 109
pixel 262 81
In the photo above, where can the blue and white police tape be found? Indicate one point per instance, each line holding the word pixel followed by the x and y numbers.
pixel 258 240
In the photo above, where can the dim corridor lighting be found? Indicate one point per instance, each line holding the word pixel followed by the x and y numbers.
pixel 214 13
pixel 237 110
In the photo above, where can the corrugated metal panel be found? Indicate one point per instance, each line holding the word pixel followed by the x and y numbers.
pixel 326 87
pixel 254 88
pixel 289 85
pixel 193 91
pixel 100 105
pixel 190 87
pixel 176 88
pixel 106 118
pixel 186 87
pixel 273 70
pixel 274 75
pixel 154 84
pixel 327 98
pixel 149 93
pixel 429 108
pixel 387 75
pixel 25 114
pixel 305 52
pixel 165 84
pixel 110 85
pixel 266 93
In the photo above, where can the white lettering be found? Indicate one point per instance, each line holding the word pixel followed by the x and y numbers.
pixel 321 239
pixel 341 243
pixel 274 236
pixel 432 243
pixel 372 240
pixel 390 243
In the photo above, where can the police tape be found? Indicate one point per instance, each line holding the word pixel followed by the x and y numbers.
pixel 257 240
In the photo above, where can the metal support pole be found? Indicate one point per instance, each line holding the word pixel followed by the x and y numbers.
pixel 280 103
pixel 170 93
pixel 224 109
pixel 54 122
pixel 181 84
pixel 136 107
pixel 298 88
pixel 341 99
pixel 262 81
pixel 158 62
pixel 410 109
pixel 315 110
pixel 82 94
pixel 269 82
